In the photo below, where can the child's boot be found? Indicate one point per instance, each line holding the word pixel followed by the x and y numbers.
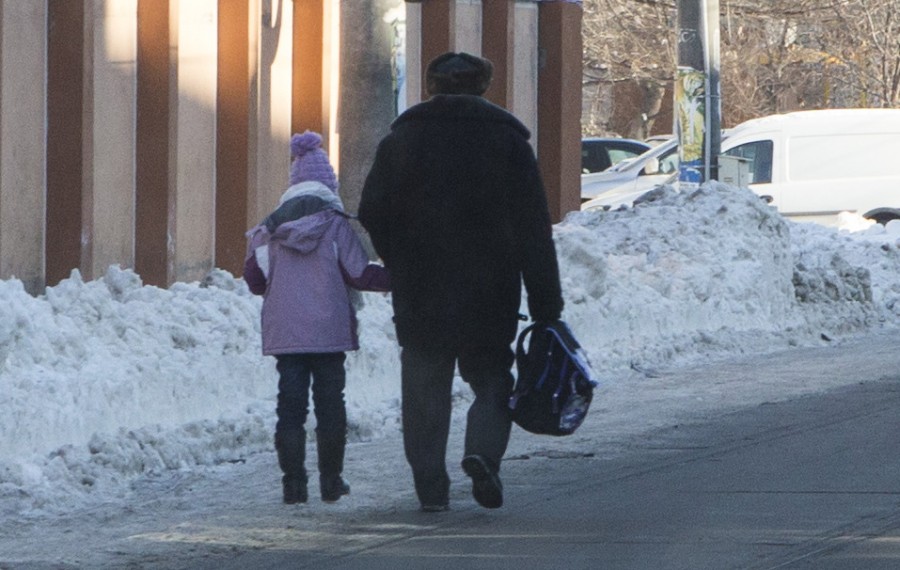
pixel 291 448
pixel 331 464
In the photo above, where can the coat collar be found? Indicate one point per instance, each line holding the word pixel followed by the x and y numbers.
pixel 313 188
pixel 460 107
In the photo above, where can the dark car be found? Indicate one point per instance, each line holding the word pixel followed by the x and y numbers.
pixel 598 154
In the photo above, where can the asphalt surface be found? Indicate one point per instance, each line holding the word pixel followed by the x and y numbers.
pixel 808 483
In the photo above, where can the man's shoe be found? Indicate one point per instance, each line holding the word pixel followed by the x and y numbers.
pixel 486 486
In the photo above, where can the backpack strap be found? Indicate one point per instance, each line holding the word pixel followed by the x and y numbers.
pixel 520 344
pixel 567 340
pixel 521 364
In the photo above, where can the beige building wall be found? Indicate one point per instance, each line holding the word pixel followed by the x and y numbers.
pixel 546 44
pixel 366 36
pixel 468 26
pixel 110 73
pixel 524 95
pixel 270 128
pixel 192 201
pixel 413 54
pixel 22 151
pixel 468 38
pixel 154 207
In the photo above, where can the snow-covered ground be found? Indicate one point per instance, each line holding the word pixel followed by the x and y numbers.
pixel 109 382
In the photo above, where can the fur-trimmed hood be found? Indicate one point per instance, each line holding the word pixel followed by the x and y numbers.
pixel 303 199
pixel 295 222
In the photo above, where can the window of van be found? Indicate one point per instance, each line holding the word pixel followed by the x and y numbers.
pixel 760 155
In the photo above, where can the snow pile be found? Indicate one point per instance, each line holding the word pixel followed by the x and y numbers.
pixel 676 275
pixel 833 268
pixel 104 381
pixel 91 357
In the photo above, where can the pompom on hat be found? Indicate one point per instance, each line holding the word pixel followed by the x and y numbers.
pixel 310 163
pixel 458 74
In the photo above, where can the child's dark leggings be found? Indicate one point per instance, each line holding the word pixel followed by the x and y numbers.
pixel 325 373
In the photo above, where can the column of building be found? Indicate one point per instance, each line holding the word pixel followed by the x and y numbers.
pixel 22 141
pixel 536 51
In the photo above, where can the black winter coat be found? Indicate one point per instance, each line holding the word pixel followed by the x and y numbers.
pixel 455 207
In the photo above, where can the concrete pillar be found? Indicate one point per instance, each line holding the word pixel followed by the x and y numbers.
pixel 498 42
pixel 66 123
pixel 437 34
pixel 309 72
pixel 508 37
pixel 109 117
pixel 152 156
pixel 90 136
pixel 468 26
pixel 176 136
pixel 366 92
pixel 273 122
pixel 559 104
pixel 414 84
pixel 23 41
pixel 233 134
pixel 524 101
pixel 192 222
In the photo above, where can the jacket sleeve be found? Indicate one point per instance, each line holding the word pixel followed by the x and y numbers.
pixel 537 252
pixel 375 203
pixel 358 272
pixel 253 274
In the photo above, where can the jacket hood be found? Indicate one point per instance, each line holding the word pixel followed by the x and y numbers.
pixel 305 234
pixel 460 108
pixel 303 199
pixel 312 188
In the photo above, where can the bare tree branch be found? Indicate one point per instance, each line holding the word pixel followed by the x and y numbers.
pixel 777 55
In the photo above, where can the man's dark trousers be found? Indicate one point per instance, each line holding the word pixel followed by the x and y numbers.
pixel 427 381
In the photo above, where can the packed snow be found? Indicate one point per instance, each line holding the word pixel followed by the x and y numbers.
pixel 109 381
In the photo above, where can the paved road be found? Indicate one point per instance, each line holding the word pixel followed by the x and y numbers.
pixel 809 483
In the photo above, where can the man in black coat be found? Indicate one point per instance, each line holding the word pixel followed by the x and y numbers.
pixel 456 209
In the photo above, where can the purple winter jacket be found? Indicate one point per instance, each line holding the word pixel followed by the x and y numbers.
pixel 312 263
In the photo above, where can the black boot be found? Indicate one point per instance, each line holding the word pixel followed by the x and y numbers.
pixel 331 464
pixel 291 448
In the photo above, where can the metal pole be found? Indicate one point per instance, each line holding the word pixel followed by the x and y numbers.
pixel 714 106
pixel 697 101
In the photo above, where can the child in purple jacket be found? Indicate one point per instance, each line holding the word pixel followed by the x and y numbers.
pixel 305 258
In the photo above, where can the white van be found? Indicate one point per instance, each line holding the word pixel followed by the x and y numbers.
pixel 812 165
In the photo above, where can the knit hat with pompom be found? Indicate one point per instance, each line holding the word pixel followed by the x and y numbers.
pixel 310 163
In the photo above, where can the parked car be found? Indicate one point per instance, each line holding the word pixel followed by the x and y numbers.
pixel 636 175
pixel 811 165
pixel 598 154
pixel 654 140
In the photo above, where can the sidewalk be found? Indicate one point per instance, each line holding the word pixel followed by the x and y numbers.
pixel 810 483
pixel 784 460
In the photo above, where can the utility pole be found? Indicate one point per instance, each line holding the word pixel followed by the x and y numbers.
pixel 697 96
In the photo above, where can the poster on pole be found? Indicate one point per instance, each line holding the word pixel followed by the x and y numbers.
pixel 690 125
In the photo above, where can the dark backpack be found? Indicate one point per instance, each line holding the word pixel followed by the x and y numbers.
pixel 555 382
